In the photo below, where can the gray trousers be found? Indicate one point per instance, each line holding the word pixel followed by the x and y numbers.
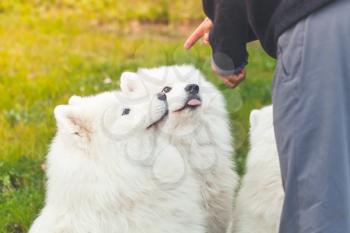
pixel 311 98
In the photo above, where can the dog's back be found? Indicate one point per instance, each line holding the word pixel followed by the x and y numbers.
pixel 259 201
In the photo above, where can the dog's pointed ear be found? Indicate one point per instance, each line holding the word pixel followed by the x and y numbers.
pixel 75 99
pixel 253 118
pixel 132 85
pixel 72 121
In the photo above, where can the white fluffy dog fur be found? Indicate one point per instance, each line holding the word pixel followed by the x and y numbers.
pixel 260 199
pixel 103 178
pixel 201 133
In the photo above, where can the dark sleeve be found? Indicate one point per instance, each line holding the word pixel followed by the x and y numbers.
pixel 230 34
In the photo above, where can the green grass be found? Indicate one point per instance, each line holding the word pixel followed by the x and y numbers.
pixel 50 50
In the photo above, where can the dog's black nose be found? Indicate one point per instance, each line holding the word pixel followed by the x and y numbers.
pixel 161 96
pixel 192 89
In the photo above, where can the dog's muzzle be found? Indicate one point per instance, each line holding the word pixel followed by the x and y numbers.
pixel 193 100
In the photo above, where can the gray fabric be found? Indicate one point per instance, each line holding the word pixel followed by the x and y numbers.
pixel 311 98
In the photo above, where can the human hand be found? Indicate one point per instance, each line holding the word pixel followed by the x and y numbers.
pixel 202 31
pixel 233 80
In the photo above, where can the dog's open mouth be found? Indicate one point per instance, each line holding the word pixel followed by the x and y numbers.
pixel 192 102
pixel 158 121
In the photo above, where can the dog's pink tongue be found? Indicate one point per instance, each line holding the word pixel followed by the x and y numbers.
pixel 194 102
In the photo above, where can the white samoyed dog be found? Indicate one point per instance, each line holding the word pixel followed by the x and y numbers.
pixel 109 172
pixel 197 125
pixel 260 198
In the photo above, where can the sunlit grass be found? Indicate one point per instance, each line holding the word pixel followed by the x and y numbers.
pixel 50 52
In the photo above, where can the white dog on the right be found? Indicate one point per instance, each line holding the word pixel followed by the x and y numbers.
pixel 260 199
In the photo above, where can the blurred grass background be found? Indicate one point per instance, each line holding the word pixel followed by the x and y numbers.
pixel 52 49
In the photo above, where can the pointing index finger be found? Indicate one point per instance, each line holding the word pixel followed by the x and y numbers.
pixel 198 33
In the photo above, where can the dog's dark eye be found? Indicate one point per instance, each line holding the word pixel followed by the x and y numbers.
pixel 126 111
pixel 166 89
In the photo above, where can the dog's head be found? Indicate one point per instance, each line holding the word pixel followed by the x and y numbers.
pixel 88 122
pixel 191 99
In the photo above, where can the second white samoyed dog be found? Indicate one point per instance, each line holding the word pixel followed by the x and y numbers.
pixel 198 126
pixel 260 199
pixel 108 170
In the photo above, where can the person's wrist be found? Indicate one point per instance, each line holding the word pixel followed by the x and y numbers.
pixel 228 70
